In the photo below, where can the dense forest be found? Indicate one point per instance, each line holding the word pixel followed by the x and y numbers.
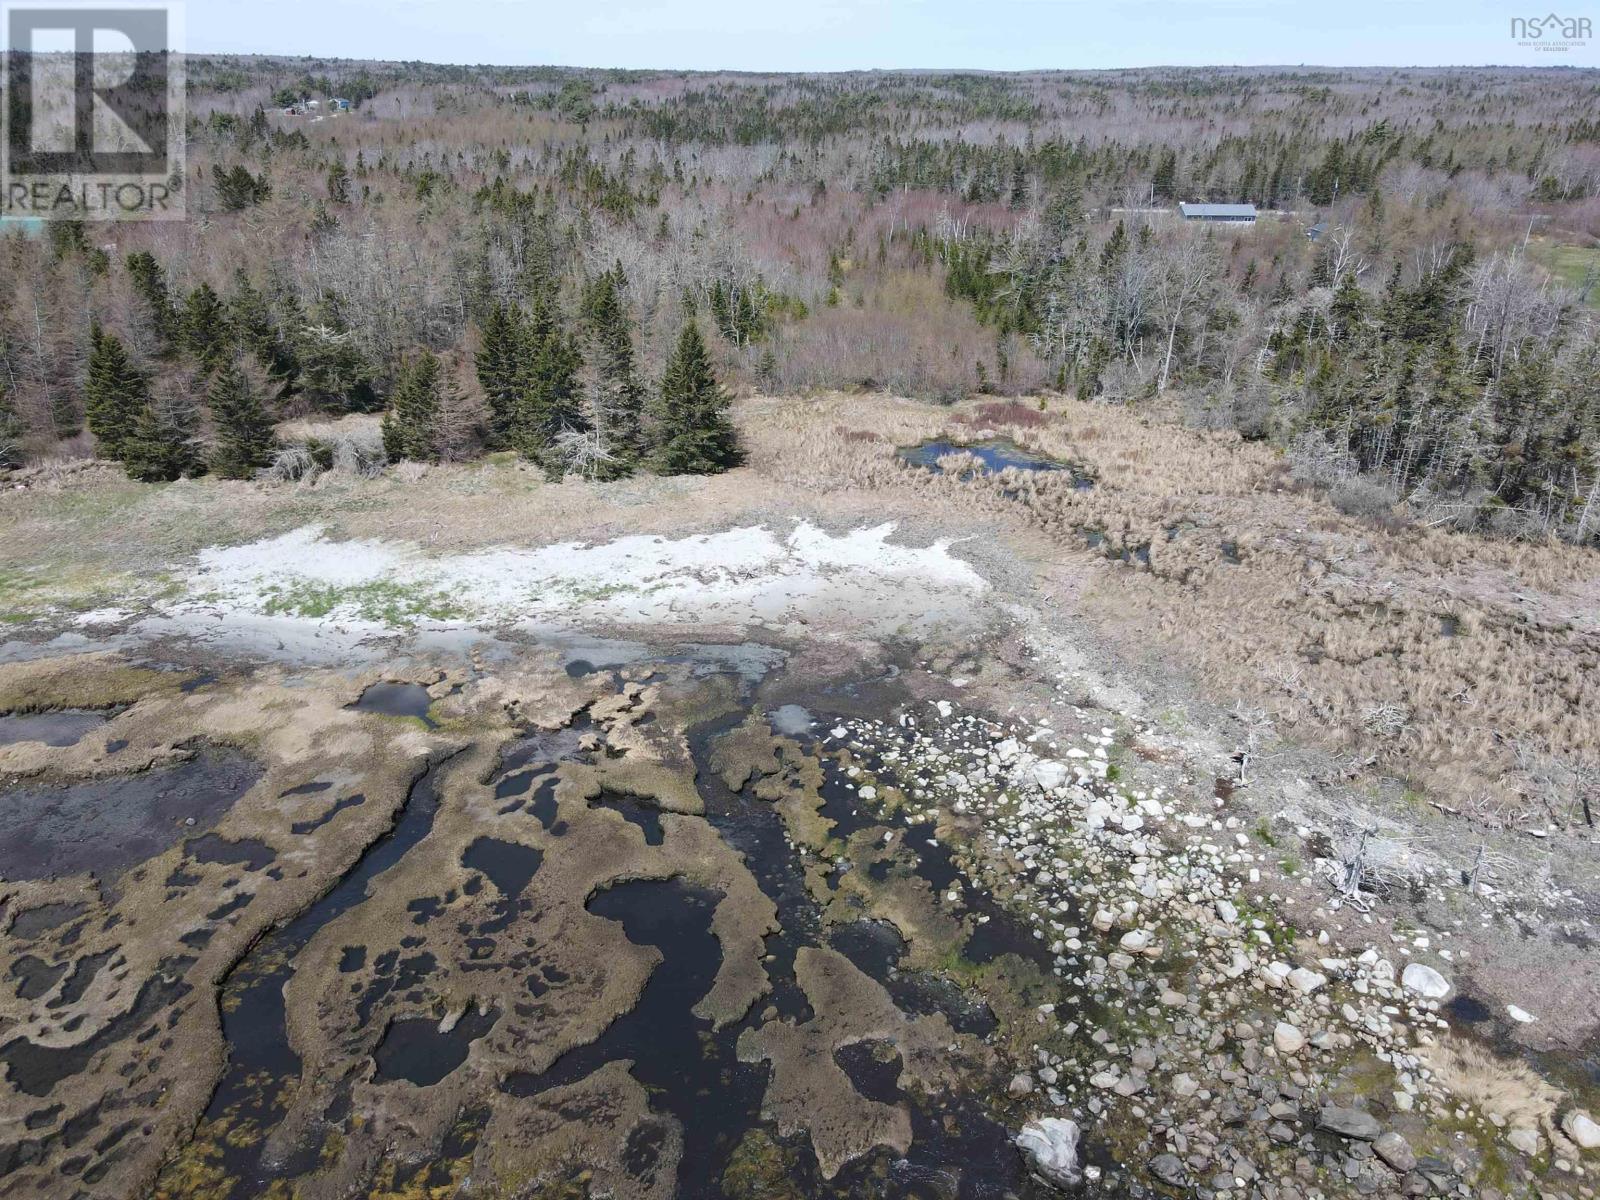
pixel 576 266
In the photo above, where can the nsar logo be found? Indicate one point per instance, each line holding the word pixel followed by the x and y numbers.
pixel 1552 32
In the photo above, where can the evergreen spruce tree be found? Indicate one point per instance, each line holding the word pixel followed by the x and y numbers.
pixel 1282 173
pixel 238 189
pixel 1116 246
pixel 250 313
pixel 331 371
pixel 501 362
pixel 160 446
pixel 693 433
pixel 550 400
pixel 1327 180
pixel 1321 273
pixel 1164 186
pixel 410 427
pixel 1349 307
pixel 619 398
pixel 67 239
pixel 251 316
pixel 244 431
pixel 339 183
pixel 207 333
pixel 1064 213
pixel 115 393
pixel 747 319
pixel 1018 197
pixel 150 282
pixel 722 314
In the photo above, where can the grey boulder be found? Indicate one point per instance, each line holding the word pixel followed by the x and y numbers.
pixel 1349 1122
pixel 1395 1151
pixel 1168 1168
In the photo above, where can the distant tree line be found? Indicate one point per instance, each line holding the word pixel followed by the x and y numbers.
pixel 504 260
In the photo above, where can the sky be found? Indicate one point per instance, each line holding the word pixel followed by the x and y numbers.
pixel 833 35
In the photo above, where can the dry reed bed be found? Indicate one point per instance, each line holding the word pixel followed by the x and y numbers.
pixel 1407 649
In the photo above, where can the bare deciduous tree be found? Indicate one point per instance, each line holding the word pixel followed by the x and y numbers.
pixel 582 452
pixel 1344 258
pixel 1185 275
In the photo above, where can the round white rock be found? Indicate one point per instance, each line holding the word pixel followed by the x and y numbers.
pixel 1051 1144
pixel 1424 981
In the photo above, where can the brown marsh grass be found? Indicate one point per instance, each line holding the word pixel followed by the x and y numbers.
pixel 1431 655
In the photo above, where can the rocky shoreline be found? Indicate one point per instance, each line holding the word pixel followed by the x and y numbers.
pixel 1228 1052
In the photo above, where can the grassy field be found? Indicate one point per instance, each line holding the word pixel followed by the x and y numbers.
pixel 1573 265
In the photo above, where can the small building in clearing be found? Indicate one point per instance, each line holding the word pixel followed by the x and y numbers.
pixel 1236 214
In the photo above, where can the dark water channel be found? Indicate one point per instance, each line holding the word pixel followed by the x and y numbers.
pixel 261 1062
pixel 691 1073
pixel 958 1150
pixel 63 727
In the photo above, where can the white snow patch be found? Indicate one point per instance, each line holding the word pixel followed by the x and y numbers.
pixel 856 582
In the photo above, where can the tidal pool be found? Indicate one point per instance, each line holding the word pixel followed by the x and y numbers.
pixel 398 700
pixel 66 727
pixel 109 824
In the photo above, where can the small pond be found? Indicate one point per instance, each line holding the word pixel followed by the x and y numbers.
pixel 398 700
pixel 995 455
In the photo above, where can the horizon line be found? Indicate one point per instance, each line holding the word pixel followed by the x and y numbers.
pixel 946 70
